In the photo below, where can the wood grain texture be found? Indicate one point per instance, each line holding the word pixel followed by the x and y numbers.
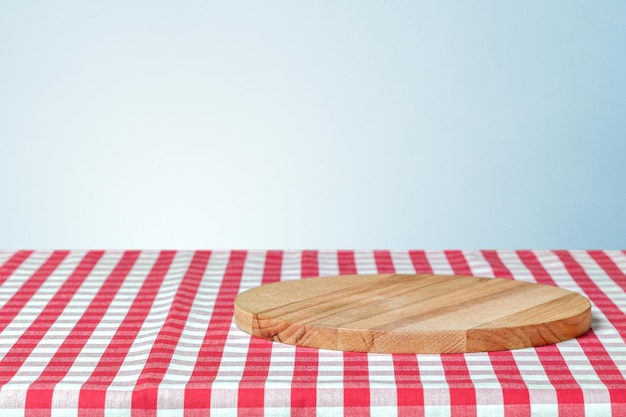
pixel 397 313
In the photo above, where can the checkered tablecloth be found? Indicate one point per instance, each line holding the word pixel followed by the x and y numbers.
pixel 151 333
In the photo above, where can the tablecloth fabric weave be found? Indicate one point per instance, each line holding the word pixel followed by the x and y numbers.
pixel 150 333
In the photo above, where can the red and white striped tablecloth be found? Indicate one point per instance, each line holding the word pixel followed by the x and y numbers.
pixel 150 333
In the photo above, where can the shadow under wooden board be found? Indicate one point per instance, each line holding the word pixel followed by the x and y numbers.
pixel 399 313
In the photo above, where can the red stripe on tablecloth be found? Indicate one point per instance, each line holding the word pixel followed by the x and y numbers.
pixel 409 388
pixel 11 264
pixel 515 394
pixel 23 347
pixel 304 382
pixel 571 401
pixel 356 384
pixel 197 394
pixel 92 397
pixel 145 395
pixel 610 267
pixel 384 262
pixel 346 262
pixel 251 394
pixel 597 355
pixel 462 390
pixel 39 393
pixel 420 262
pixel 19 299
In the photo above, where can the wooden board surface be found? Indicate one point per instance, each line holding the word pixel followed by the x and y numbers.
pixel 412 313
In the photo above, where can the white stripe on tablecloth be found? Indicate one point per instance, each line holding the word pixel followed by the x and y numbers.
pixel 572 352
pixel 330 379
pixel 138 351
pixel 233 360
pixel 439 263
pixel 292 265
pixel 5 255
pixel 282 358
pixel 619 257
pixel 516 266
pixel 489 401
pixel 119 392
pixel 608 334
pixel 478 264
pixel 33 307
pixel 328 265
pixel 436 392
pixel 402 262
pixel 185 354
pixel 380 367
pixel 365 262
pixel 601 324
pixel 65 391
pixel 330 363
pixel 97 343
pixel 20 275
pixel 13 393
pixel 382 380
pixel 601 278
pixel 540 390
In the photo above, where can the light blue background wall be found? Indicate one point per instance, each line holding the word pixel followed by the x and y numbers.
pixel 312 124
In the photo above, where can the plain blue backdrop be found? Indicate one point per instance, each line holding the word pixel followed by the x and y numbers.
pixel 442 124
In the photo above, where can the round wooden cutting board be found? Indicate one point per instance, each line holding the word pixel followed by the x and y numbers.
pixel 412 313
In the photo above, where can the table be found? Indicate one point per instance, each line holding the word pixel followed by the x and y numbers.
pixel 150 333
